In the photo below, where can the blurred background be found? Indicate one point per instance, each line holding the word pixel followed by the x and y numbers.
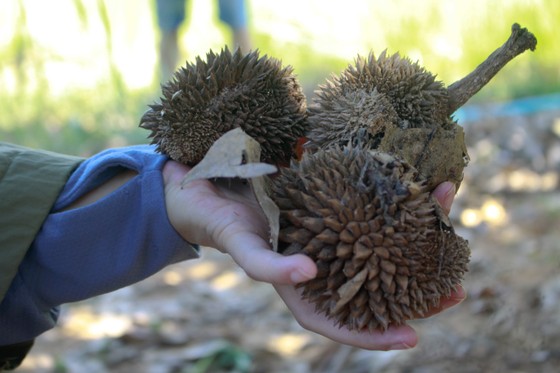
pixel 76 75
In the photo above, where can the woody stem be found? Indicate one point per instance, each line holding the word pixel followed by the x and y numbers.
pixel 462 90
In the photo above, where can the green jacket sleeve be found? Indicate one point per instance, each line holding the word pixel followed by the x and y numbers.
pixel 30 181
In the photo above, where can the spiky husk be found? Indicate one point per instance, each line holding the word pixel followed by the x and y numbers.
pixel 208 98
pixel 401 109
pixel 384 250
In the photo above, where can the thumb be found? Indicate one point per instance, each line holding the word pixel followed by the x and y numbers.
pixel 445 193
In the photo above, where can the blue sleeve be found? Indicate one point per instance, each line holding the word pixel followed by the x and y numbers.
pixel 118 240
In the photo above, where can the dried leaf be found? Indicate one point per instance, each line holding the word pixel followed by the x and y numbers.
pixel 236 154
pixel 271 211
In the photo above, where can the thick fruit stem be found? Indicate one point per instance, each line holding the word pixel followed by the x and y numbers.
pixel 462 90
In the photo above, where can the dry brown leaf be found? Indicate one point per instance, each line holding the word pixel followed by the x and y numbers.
pixel 269 208
pixel 237 155
pixel 228 157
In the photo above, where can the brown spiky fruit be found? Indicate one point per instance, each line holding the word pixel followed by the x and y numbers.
pixel 359 203
pixel 228 90
pixel 400 107
pixel 404 110
pixel 385 253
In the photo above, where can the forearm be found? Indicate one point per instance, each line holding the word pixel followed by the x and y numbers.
pixel 108 229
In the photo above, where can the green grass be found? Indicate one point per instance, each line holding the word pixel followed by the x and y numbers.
pixel 82 123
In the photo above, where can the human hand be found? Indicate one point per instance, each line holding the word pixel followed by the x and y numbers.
pixel 225 215
pixel 394 338
pixel 228 218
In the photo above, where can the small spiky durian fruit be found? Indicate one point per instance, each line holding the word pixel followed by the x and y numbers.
pixel 381 244
pixel 403 110
pixel 206 99
pixel 359 203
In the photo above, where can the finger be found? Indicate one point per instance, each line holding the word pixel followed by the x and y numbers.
pixel 254 255
pixel 444 193
pixel 394 338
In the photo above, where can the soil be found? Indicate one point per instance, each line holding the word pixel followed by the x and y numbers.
pixel 207 316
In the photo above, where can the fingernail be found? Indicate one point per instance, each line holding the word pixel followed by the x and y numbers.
pixel 399 346
pixel 300 275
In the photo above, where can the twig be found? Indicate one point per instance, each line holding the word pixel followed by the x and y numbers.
pixel 462 90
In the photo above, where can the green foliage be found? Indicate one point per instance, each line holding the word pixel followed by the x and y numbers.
pixel 83 121
pixel 81 12
pixel 228 359
pixel 59 366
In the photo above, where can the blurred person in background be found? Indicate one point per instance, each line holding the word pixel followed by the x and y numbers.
pixel 170 16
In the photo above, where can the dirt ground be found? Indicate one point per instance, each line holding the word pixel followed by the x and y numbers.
pixel 207 316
